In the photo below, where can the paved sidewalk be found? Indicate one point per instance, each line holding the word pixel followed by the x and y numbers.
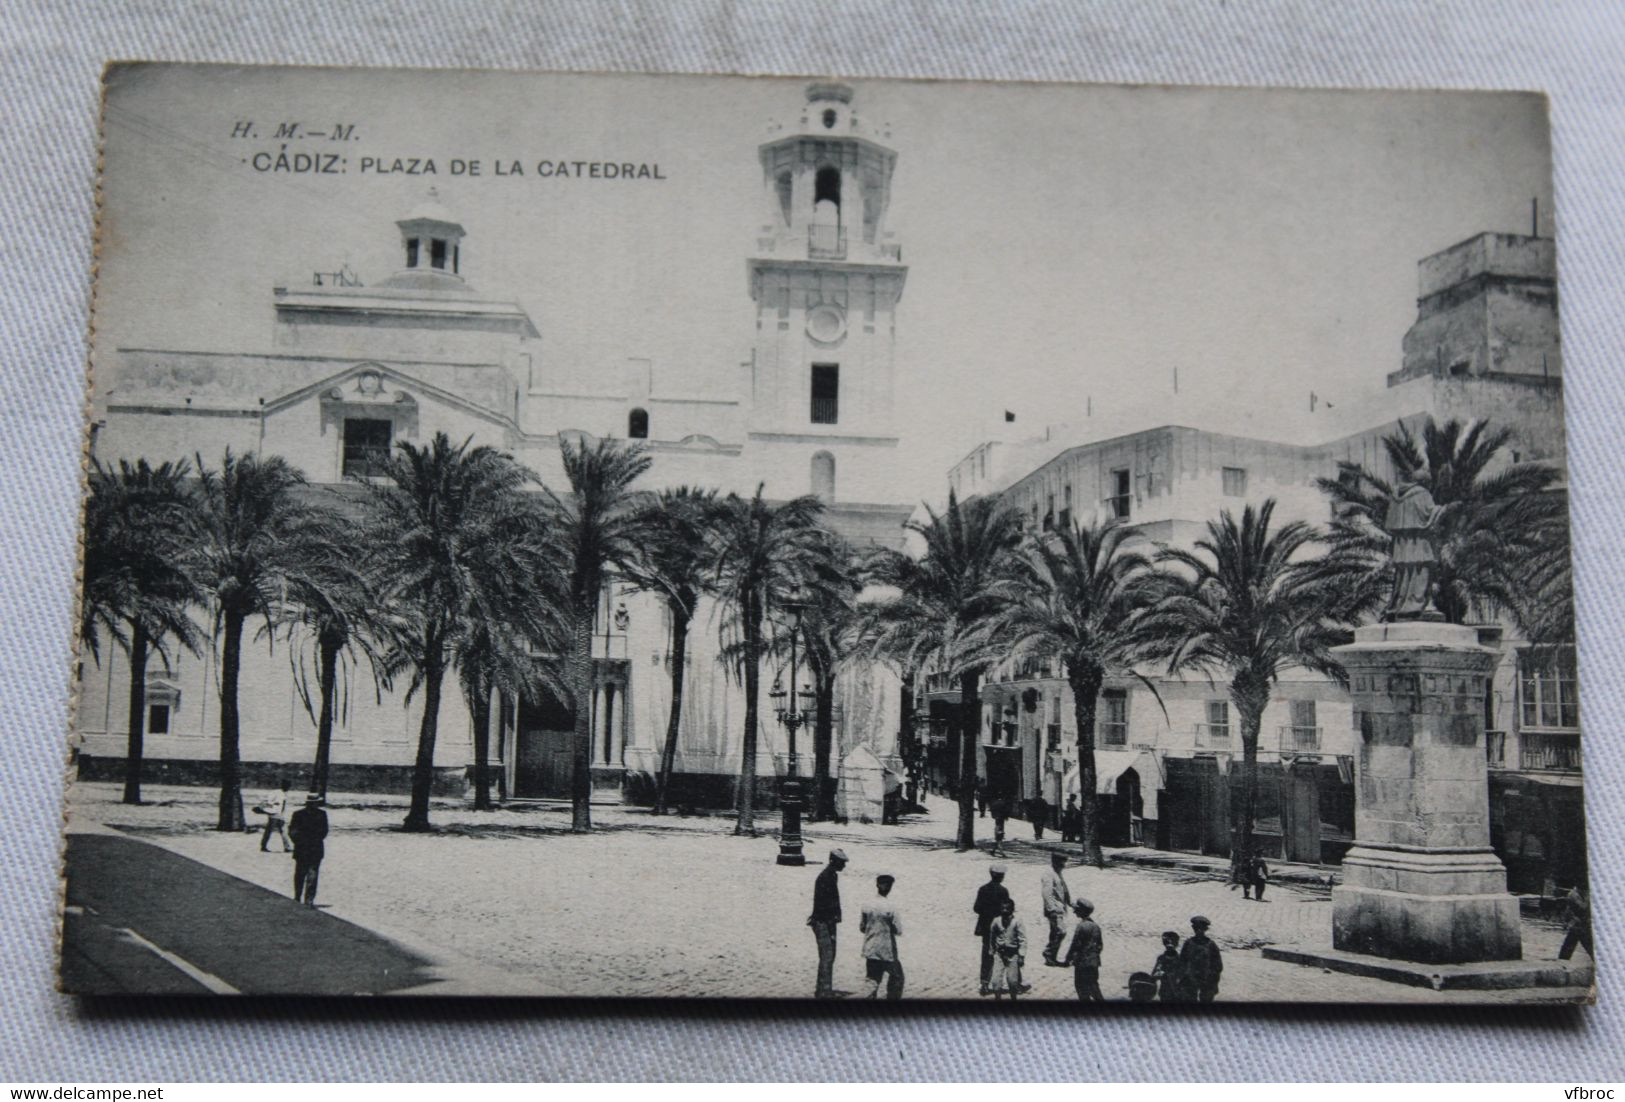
pixel 141 919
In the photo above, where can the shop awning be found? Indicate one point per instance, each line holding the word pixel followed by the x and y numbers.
pixel 1112 764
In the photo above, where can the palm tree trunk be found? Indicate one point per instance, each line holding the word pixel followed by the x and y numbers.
pixel 480 714
pixel 138 711
pixel 907 738
pixel 581 690
pixel 1250 701
pixel 327 682
pixel 1085 698
pixel 970 729
pixel 231 790
pixel 746 823
pixel 417 817
pixel 823 747
pixel 679 658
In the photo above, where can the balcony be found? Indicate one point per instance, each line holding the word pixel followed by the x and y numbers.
pixel 1559 753
pixel 1213 735
pixel 826 243
pixel 825 411
pixel 1300 740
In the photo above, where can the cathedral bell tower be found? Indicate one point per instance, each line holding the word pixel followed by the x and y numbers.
pixel 826 279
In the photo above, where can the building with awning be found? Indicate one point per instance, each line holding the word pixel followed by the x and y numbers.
pixel 1127 782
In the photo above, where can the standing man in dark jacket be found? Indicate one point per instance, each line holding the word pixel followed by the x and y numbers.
pixel 308 830
pixel 1579 924
pixel 1086 945
pixel 1001 807
pixel 990 898
pixel 826 915
pixel 1200 962
pixel 1038 812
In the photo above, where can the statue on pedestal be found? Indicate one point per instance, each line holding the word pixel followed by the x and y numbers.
pixel 1410 519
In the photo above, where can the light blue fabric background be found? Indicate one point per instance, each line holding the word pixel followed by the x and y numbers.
pixel 52 58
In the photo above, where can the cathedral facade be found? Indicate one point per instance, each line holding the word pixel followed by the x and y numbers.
pixel 354 367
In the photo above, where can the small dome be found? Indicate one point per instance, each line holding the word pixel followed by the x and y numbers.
pixel 429 211
pixel 829 92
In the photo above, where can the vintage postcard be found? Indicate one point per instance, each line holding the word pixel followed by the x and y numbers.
pixel 818 539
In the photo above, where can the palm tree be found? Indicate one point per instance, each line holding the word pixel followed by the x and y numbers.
pixel 1078 593
pixel 136 586
pixel 826 624
pixel 1249 604
pixel 329 606
pixel 1489 528
pixel 451 538
pixel 256 531
pixel 499 656
pixel 676 562
pixel 766 553
pixel 599 528
pixel 514 619
pixel 941 615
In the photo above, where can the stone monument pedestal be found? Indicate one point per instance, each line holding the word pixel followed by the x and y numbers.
pixel 1421 882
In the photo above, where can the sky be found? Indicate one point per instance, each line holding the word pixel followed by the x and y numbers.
pixel 1069 246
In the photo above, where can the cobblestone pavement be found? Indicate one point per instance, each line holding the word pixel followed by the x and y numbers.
pixel 647 906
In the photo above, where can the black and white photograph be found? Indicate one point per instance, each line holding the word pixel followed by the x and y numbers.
pixel 702 537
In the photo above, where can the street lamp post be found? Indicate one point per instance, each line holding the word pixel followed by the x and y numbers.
pixel 791 711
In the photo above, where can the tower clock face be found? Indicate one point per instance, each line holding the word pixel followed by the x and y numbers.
pixel 826 324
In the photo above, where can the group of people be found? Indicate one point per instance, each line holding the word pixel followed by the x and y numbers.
pixel 1188 973
pixel 880 926
pixel 303 834
pixel 1038 811
pixel 1004 938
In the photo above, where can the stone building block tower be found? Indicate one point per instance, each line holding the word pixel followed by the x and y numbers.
pixel 1486 306
pixel 826 280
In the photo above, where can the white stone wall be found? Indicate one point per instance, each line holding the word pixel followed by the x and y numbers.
pixel 274 724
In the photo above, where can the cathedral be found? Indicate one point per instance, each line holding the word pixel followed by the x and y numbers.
pixel 354 366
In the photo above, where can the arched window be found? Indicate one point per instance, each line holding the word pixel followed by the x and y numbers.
pixel 823 476
pixel 827 186
pixel 826 239
pixel 637 424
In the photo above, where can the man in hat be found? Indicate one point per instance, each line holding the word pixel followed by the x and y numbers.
pixel 990 899
pixel 1071 820
pixel 826 915
pixel 1085 953
pixel 881 928
pixel 308 829
pixel 1057 899
pixel 1038 812
pixel 1200 962
pixel 1001 807
pixel 1578 931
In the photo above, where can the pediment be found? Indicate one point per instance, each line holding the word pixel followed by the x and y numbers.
pixel 368 388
